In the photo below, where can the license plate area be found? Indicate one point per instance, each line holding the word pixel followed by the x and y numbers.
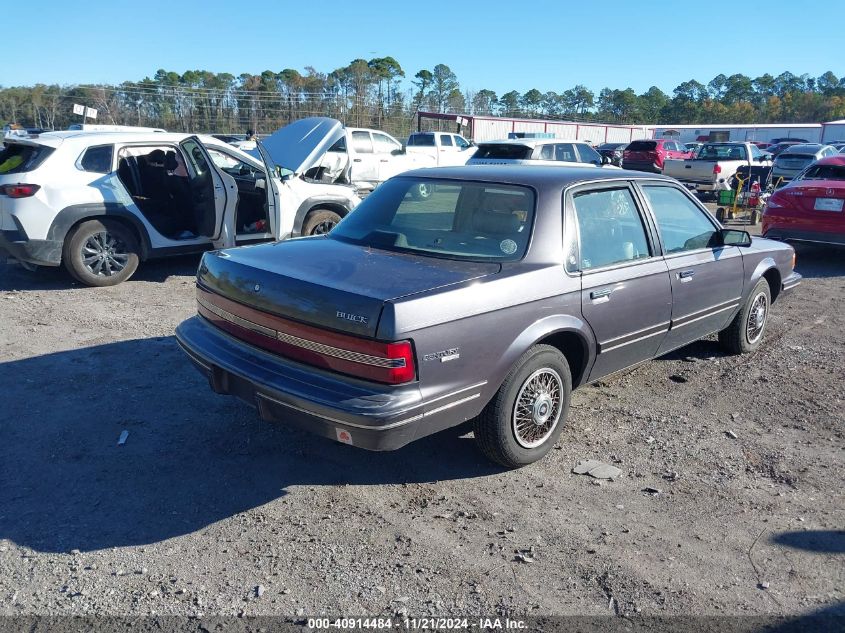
pixel 828 204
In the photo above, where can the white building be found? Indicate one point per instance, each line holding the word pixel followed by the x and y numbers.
pixel 810 132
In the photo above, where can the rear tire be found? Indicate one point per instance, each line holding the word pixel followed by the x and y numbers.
pixel 745 333
pixel 101 253
pixel 319 222
pixel 525 417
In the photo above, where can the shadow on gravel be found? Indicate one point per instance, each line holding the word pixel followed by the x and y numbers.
pixel 192 458
pixel 823 541
pixel 700 350
pixel 16 277
pixel 816 261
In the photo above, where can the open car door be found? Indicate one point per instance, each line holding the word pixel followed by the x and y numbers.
pixel 214 195
pixel 272 187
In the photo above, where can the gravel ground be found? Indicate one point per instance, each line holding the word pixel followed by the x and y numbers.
pixel 208 510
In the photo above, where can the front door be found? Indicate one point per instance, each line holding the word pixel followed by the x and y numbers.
pixel 214 195
pixel 625 290
pixel 706 276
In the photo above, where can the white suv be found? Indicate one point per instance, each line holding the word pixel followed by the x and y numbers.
pixel 526 151
pixel 100 202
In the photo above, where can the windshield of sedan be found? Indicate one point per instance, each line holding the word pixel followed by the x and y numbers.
pixel 824 172
pixel 475 221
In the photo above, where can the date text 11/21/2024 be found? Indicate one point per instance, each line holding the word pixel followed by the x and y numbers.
pixel 416 624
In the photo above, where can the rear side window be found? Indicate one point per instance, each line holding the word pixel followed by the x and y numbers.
pixel 421 140
pixel 565 152
pixel 642 146
pixel 610 229
pixel 17 158
pixel 505 151
pixel 97 159
pixel 446 140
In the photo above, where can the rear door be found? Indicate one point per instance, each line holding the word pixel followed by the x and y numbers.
pixel 706 277
pixel 625 289
pixel 214 195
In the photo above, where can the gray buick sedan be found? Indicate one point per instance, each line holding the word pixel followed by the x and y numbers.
pixel 488 301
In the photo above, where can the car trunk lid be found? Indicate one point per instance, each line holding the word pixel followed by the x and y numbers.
pixel 328 283
pixel 825 198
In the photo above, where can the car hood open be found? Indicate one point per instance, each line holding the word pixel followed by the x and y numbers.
pixel 299 146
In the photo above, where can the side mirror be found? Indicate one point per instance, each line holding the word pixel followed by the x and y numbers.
pixel 734 237
pixel 605 160
pixel 400 151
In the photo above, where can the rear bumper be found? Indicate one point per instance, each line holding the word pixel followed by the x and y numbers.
pixel 38 252
pixel 787 234
pixel 635 165
pixel 367 415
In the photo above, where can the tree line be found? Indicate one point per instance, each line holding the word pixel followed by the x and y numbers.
pixel 375 93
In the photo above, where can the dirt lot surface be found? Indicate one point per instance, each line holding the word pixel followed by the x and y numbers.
pixel 730 501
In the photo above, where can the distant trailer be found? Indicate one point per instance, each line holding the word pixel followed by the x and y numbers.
pixel 491 128
pixel 833 131
pixel 765 132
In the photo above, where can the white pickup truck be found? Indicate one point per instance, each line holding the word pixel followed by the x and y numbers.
pixel 714 162
pixel 446 148
pixel 365 158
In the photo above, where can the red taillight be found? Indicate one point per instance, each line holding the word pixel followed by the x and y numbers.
pixel 19 191
pixel 717 169
pixel 389 363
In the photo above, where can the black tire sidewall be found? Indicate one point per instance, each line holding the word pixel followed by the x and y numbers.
pixel 762 287
pixel 510 452
pixel 72 255
pixel 317 217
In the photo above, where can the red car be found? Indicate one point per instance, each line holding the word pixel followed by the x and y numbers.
pixel 649 154
pixel 810 208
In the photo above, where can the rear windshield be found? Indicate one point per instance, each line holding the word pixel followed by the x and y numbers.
pixel 824 172
pixel 794 159
pixel 712 151
pixel 642 146
pixel 473 221
pixel 514 152
pixel 421 140
pixel 17 158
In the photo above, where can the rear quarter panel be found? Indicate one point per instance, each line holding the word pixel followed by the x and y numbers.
pixel 484 327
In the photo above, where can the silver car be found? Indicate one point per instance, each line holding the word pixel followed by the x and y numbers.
pixel 490 301
pixel 793 160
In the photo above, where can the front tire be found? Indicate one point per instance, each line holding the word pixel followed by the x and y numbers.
pixel 319 222
pixel 525 417
pixel 101 253
pixel 745 333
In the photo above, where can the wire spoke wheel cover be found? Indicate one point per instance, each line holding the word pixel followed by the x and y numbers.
pixel 324 227
pixel 757 318
pixel 104 254
pixel 537 408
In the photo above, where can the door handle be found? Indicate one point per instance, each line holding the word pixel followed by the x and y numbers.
pixel 384 160
pixel 598 294
pixel 356 160
pixel 687 166
pixel 686 274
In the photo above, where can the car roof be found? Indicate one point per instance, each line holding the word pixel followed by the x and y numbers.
pixel 531 142
pixel 539 176
pixel 804 148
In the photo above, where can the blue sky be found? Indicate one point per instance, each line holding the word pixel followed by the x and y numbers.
pixel 497 45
